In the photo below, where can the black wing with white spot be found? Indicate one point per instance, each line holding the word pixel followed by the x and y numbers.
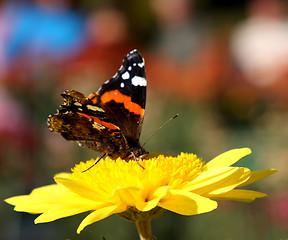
pixel 123 97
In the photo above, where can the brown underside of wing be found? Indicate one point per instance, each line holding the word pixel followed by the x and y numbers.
pixel 74 127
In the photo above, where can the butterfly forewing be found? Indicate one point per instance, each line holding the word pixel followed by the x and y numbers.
pixel 123 97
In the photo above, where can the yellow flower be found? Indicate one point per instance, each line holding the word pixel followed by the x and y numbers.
pixel 182 184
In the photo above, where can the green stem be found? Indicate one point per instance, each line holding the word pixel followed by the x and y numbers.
pixel 144 230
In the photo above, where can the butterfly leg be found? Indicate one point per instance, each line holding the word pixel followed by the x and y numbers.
pixel 137 160
pixel 95 163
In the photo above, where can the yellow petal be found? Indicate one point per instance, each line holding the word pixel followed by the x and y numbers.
pixel 26 204
pixel 80 188
pixel 128 195
pixel 231 182
pixel 147 206
pixel 228 158
pixel 240 195
pixel 153 199
pixel 99 215
pixel 161 192
pixel 46 190
pixel 218 180
pixel 63 211
pixel 39 200
pixel 258 175
pixel 187 203
pixel 41 191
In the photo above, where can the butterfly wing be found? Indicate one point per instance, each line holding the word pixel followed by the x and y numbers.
pixel 123 97
pixel 79 119
pixel 109 121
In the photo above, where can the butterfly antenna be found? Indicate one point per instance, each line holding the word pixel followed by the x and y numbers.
pixel 170 119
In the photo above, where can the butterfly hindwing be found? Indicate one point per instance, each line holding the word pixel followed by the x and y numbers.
pixel 79 119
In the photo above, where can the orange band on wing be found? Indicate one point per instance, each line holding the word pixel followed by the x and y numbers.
pixel 97 120
pixel 93 97
pixel 121 98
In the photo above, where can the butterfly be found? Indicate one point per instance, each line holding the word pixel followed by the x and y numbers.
pixel 110 120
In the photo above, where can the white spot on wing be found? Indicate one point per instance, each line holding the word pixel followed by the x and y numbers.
pixel 138 81
pixel 122 85
pixel 129 68
pixel 141 65
pixel 126 75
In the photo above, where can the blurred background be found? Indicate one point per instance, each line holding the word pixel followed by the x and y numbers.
pixel 221 65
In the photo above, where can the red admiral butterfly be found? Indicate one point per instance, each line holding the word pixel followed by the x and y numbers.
pixel 110 120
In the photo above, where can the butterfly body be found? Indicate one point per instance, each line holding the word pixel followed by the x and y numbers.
pixel 110 120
